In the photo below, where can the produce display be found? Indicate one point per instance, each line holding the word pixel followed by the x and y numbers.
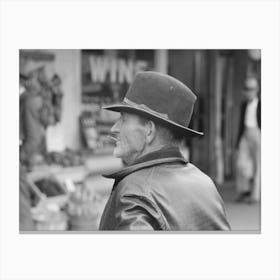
pixel 67 158
pixel 48 198
pixel 64 200
pixel 48 215
pixel 82 209
pixel 50 187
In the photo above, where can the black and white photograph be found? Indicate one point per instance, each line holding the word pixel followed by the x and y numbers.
pixel 140 140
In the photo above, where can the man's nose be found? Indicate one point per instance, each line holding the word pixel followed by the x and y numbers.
pixel 116 127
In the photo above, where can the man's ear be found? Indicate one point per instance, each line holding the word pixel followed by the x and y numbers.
pixel 151 132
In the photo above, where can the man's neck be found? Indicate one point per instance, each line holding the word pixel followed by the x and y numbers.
pixel 147 150
pixel 159 152
pixel 152 149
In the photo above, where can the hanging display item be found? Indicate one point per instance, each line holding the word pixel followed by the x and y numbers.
pixel 40 104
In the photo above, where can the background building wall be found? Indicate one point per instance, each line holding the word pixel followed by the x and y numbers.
pixel 67 64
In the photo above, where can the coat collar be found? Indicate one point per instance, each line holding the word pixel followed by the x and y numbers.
pixel 167 154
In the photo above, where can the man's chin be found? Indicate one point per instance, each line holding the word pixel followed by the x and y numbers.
pixel 117 153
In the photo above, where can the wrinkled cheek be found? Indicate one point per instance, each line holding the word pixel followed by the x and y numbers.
pixel 136 143
pixel 122 148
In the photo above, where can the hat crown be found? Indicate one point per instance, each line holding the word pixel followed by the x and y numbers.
pixel 164 95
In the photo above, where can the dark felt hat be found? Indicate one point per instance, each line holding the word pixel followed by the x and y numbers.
pixel 161 98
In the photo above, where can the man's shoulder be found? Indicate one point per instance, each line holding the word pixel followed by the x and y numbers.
pixel 196 173
pixel 141 181
pixel 135 182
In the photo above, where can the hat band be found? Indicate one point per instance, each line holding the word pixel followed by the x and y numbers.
pixel 146 108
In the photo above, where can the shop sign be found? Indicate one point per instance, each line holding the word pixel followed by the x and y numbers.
pixel 105 79
pixel 118 70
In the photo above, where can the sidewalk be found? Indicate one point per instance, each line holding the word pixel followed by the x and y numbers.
pixel 241 216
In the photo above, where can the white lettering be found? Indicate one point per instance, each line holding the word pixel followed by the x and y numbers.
pixel 119 70
pixel 98 68
pixel 125 71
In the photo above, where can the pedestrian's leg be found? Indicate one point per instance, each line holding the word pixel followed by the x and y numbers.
pixel 255 152
pixel 243 170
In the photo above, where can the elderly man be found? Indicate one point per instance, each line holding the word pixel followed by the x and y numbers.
pixel 158 189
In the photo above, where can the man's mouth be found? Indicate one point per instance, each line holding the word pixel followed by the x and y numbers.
pixel 113 138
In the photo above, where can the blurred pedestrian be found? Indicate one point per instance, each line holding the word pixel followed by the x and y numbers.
pixel 158 189
pixel 57 96
pixel 32 129
pixel 248 165
pixel 22 95
pixel 47 110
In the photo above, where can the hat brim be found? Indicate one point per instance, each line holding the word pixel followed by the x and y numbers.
pixel 182 130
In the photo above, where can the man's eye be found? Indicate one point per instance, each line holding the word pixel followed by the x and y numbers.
pixel 120 120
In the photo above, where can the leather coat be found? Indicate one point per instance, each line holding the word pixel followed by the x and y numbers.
pixel 162 191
